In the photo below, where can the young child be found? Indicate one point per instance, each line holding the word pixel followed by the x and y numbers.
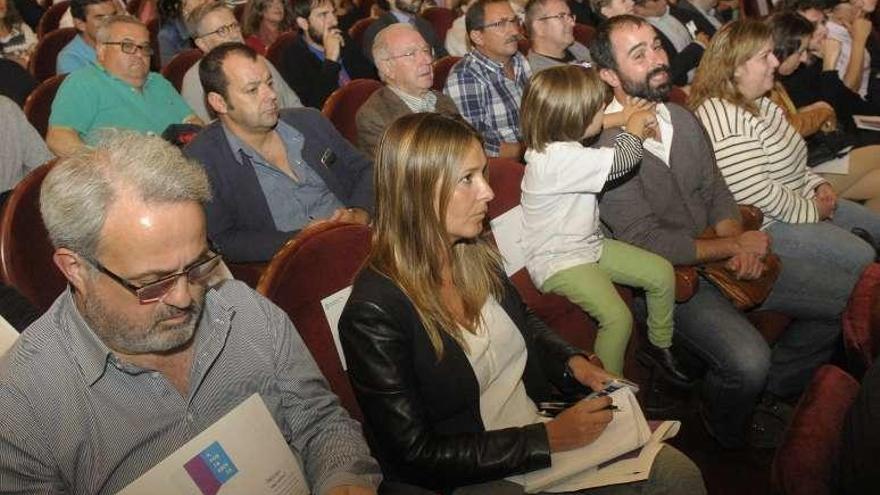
pixel 565 250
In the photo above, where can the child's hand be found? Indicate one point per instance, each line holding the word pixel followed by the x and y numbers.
pixel 643 124
pixel 635 104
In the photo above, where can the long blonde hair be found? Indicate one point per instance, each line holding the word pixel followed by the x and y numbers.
pixel 417 164
pixel 732 46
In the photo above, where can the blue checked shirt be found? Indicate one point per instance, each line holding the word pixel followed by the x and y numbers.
pixel 487 99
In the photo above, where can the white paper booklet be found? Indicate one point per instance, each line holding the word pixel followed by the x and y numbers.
pixel 507 229
pixel 623 453
pixel 868 122
pixel 838 166
pixel 243 452
pixel 8 335
pixel 333 306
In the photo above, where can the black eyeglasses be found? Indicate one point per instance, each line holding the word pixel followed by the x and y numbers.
pixel 155 291
pixel 562 16
pixel 502 23
pixel 130 47
pixel 232 27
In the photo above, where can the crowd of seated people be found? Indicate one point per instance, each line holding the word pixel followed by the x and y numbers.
pixel 448 365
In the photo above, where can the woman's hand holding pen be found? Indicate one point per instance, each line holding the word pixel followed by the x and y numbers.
pixel 580 424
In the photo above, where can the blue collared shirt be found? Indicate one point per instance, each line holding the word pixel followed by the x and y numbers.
pixel 74 55
pixel 293 203
pixel 487 99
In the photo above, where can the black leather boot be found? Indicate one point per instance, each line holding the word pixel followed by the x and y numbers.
pixel 664 361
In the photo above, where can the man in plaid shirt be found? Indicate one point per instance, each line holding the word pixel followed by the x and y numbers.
pixel 488 83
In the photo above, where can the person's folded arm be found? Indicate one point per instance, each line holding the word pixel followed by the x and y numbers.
pixel 742 160
pixel 380 366
pixel 63 141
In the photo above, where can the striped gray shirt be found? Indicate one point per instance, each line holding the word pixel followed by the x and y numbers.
pixel 763 160
pixel 77 420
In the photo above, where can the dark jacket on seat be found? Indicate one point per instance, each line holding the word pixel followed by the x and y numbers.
pixel 423 415
pixel 239 219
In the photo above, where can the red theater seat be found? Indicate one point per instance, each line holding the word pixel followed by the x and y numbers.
pixel 317 263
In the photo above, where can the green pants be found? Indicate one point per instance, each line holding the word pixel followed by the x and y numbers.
pixel 591 286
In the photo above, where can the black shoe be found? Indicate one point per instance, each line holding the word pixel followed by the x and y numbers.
pixel 664 361
pixel 769 423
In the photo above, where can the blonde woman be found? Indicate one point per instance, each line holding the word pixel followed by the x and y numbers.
pixel 446 361
pixel 763 159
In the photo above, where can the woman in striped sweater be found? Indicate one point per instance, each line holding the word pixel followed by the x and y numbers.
pixel 763 158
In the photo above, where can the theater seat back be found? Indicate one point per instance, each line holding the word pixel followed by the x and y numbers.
pixel 318 262
pixel 25 250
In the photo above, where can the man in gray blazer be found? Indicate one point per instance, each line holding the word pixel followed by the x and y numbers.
pixel 404 62
pixel 677 195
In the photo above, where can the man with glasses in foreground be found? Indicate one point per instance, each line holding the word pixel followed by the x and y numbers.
pixel 487 84
pixel 212 24
pixel 148 346
pixel 550 25
pixel 404 61
pixel 119 91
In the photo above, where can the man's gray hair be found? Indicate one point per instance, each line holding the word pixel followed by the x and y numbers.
pixel 79 190
pixel 195 17
pixel 382 49
pixel 103 33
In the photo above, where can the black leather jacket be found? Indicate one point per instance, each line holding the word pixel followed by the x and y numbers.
pixel 423 415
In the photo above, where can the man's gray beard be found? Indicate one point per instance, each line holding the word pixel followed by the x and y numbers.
pixel 643 89
pixel 119 334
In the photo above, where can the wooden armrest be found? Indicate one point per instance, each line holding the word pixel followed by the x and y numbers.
pixel 686 282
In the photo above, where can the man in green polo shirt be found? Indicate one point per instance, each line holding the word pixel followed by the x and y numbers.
pixel 119 91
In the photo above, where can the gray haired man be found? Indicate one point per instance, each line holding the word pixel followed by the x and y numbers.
pixel 143 352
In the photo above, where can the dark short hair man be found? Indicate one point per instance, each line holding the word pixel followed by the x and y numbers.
pixel 147 348
pixel 487 84
pixel 272 172
pixel 87 17
pixel 677 195
pixel 550 25
pixel 683 44
pixel 322 58
pixel 405 65
pixel 212 24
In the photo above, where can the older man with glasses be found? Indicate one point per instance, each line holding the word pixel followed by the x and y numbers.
pixel 119 91
pixel 212 24
pixel 550 25
pixel 150 345
pixel 404 60
pixel 487 84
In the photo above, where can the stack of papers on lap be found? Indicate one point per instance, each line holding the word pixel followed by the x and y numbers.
pixel 243 452
pixel 622 454
pixel 868 122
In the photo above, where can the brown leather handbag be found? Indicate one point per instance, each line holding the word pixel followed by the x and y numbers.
pixel 744 294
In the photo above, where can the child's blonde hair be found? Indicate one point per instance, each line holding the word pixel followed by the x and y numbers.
pixel 559 104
